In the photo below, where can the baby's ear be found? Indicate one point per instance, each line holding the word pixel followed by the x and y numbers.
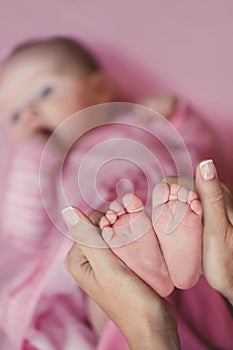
pixel 102 87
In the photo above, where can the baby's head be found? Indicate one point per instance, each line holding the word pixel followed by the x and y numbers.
pixel 44 82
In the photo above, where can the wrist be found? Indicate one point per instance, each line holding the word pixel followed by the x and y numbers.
pixel 154 334
pixel 156 340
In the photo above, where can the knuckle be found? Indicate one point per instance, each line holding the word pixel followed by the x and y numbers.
pixel 215 197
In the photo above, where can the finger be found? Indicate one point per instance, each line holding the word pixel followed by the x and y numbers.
pixel 83 230
pixel 80 269
pixel 88 238
pixel 76 263
pixel 211 195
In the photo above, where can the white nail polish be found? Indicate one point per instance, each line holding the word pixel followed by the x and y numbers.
pixel 70 216
pixel 207 169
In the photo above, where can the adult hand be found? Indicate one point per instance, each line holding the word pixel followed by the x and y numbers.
pixel 217 204
pixel 146 320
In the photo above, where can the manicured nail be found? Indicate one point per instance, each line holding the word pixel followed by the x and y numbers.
pixel 207 169
pixel 70 216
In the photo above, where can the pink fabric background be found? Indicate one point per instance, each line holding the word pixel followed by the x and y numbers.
pixel 178 46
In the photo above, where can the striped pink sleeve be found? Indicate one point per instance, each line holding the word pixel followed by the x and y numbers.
pixel 199 138
pixel 25 220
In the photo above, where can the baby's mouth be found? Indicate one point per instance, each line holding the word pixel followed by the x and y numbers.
pixel 46 131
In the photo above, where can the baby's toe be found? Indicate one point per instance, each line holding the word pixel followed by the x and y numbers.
pixel 174 189
pixel 132 203
pixel 196 206
pixel 107 234
pixel 160 194
pixel 111 216
pixel 183 195
pixel 117 208
pixel 104 222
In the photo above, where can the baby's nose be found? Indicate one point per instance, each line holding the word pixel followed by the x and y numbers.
pixel 29 115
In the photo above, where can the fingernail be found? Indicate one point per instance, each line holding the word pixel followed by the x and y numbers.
pixel 207 169
pixel 70 216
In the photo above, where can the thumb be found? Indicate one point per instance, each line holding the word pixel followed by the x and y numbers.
pixel 212 198
pixel 88 238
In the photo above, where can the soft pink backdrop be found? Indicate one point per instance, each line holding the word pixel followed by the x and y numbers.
pixel 181 46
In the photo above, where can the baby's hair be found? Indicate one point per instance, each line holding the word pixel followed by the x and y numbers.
pixel 71 49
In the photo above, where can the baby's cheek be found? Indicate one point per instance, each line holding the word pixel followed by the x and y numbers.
pixel 18 134
pixel 12 130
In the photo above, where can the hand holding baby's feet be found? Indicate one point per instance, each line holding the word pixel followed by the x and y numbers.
pixel 100 273
pixel 129 233
pixel 177 221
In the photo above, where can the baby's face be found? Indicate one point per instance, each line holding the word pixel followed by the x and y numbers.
pixel 37 94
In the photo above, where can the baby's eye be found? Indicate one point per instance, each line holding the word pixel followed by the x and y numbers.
pixel 46 92
pixel 15 117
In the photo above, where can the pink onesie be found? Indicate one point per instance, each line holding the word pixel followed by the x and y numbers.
pixel 43 308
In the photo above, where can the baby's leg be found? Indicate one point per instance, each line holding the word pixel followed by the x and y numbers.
pixel 177 221
pixel 129 233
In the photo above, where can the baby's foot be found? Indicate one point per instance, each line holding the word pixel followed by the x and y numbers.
pixel 129 233
pixel 177 221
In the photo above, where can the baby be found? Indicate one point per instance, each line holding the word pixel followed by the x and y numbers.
pixel 42 83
